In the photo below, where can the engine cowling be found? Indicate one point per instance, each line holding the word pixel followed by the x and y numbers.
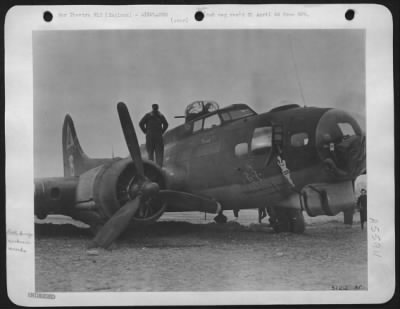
pixel 103 190
pixel 327 199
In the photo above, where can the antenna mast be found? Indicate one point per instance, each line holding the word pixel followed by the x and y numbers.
pixel 295 69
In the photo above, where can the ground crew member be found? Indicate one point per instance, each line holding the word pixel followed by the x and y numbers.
pixel 362 206
pixel 272 215
pixel 236 213
pixel 261 214
pixel 154 125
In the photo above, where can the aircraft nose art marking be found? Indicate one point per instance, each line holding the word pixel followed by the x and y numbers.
pixel 250 174
pixel 209 138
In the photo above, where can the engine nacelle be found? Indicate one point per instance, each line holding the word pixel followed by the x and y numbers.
pixel 327 199
pixel 54 195
pixel 103 190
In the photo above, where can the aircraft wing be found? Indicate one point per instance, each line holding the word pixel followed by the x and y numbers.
pixel 182 201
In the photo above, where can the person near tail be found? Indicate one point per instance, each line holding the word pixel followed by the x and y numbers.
pixel 154 125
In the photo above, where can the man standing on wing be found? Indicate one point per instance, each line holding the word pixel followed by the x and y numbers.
pixel 154 125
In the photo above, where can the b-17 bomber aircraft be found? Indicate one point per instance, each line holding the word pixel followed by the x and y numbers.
pixel 290 159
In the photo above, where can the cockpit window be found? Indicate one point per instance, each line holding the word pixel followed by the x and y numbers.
pixel 240 113
pixel 262 140
pixel 299 139
pixel 346 128
pixel 211 122
pixel 236 114
pixel 197 125
pixel 225 116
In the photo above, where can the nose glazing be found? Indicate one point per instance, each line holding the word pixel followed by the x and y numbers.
pixel 340 144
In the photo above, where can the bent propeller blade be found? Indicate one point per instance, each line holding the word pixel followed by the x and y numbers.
pixel 130 137
pixel 117 223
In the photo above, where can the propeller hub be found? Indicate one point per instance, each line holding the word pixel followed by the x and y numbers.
pixel 150 188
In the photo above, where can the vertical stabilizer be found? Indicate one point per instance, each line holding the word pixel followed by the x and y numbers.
pixel 73 156
pixel 75 160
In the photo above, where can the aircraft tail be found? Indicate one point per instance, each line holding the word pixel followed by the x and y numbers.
pixel 75 160
pixel 73 156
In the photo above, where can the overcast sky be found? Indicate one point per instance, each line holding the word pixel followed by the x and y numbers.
pixel 86 73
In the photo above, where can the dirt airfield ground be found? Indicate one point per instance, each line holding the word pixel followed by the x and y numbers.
pixel 188 252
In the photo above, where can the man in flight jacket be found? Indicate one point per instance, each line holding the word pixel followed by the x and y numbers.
pixel 154 125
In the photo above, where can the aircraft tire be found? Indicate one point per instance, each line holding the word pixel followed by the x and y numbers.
pixel 220 218
pixel 282 222
pixel 348 216
pixel 297 221
pixel 289 220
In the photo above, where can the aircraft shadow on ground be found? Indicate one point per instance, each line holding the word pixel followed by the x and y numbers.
pixel 165 228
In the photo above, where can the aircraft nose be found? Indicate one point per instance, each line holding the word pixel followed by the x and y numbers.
pixel 352 152
pixel 340 144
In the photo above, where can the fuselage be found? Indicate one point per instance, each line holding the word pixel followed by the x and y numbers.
pixel 290 157
pixel 235 160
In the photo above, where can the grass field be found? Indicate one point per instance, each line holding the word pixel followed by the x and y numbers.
pixel 186 252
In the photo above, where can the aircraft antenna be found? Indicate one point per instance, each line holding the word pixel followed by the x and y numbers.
pixel 112 151
pixel 295 69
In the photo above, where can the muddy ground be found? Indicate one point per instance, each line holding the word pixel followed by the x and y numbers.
pixel 188 252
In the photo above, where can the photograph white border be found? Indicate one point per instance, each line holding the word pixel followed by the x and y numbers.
pixel 377 22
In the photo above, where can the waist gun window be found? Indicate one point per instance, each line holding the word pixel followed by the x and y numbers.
pixel 262 140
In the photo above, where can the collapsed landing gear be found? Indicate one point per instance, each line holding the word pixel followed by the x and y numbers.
pixel 220 218
pixel 287 220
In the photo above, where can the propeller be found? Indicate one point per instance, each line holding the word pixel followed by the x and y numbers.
pixel 130 138
pixel 139 193
pixel 117 223
pixel 144 189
